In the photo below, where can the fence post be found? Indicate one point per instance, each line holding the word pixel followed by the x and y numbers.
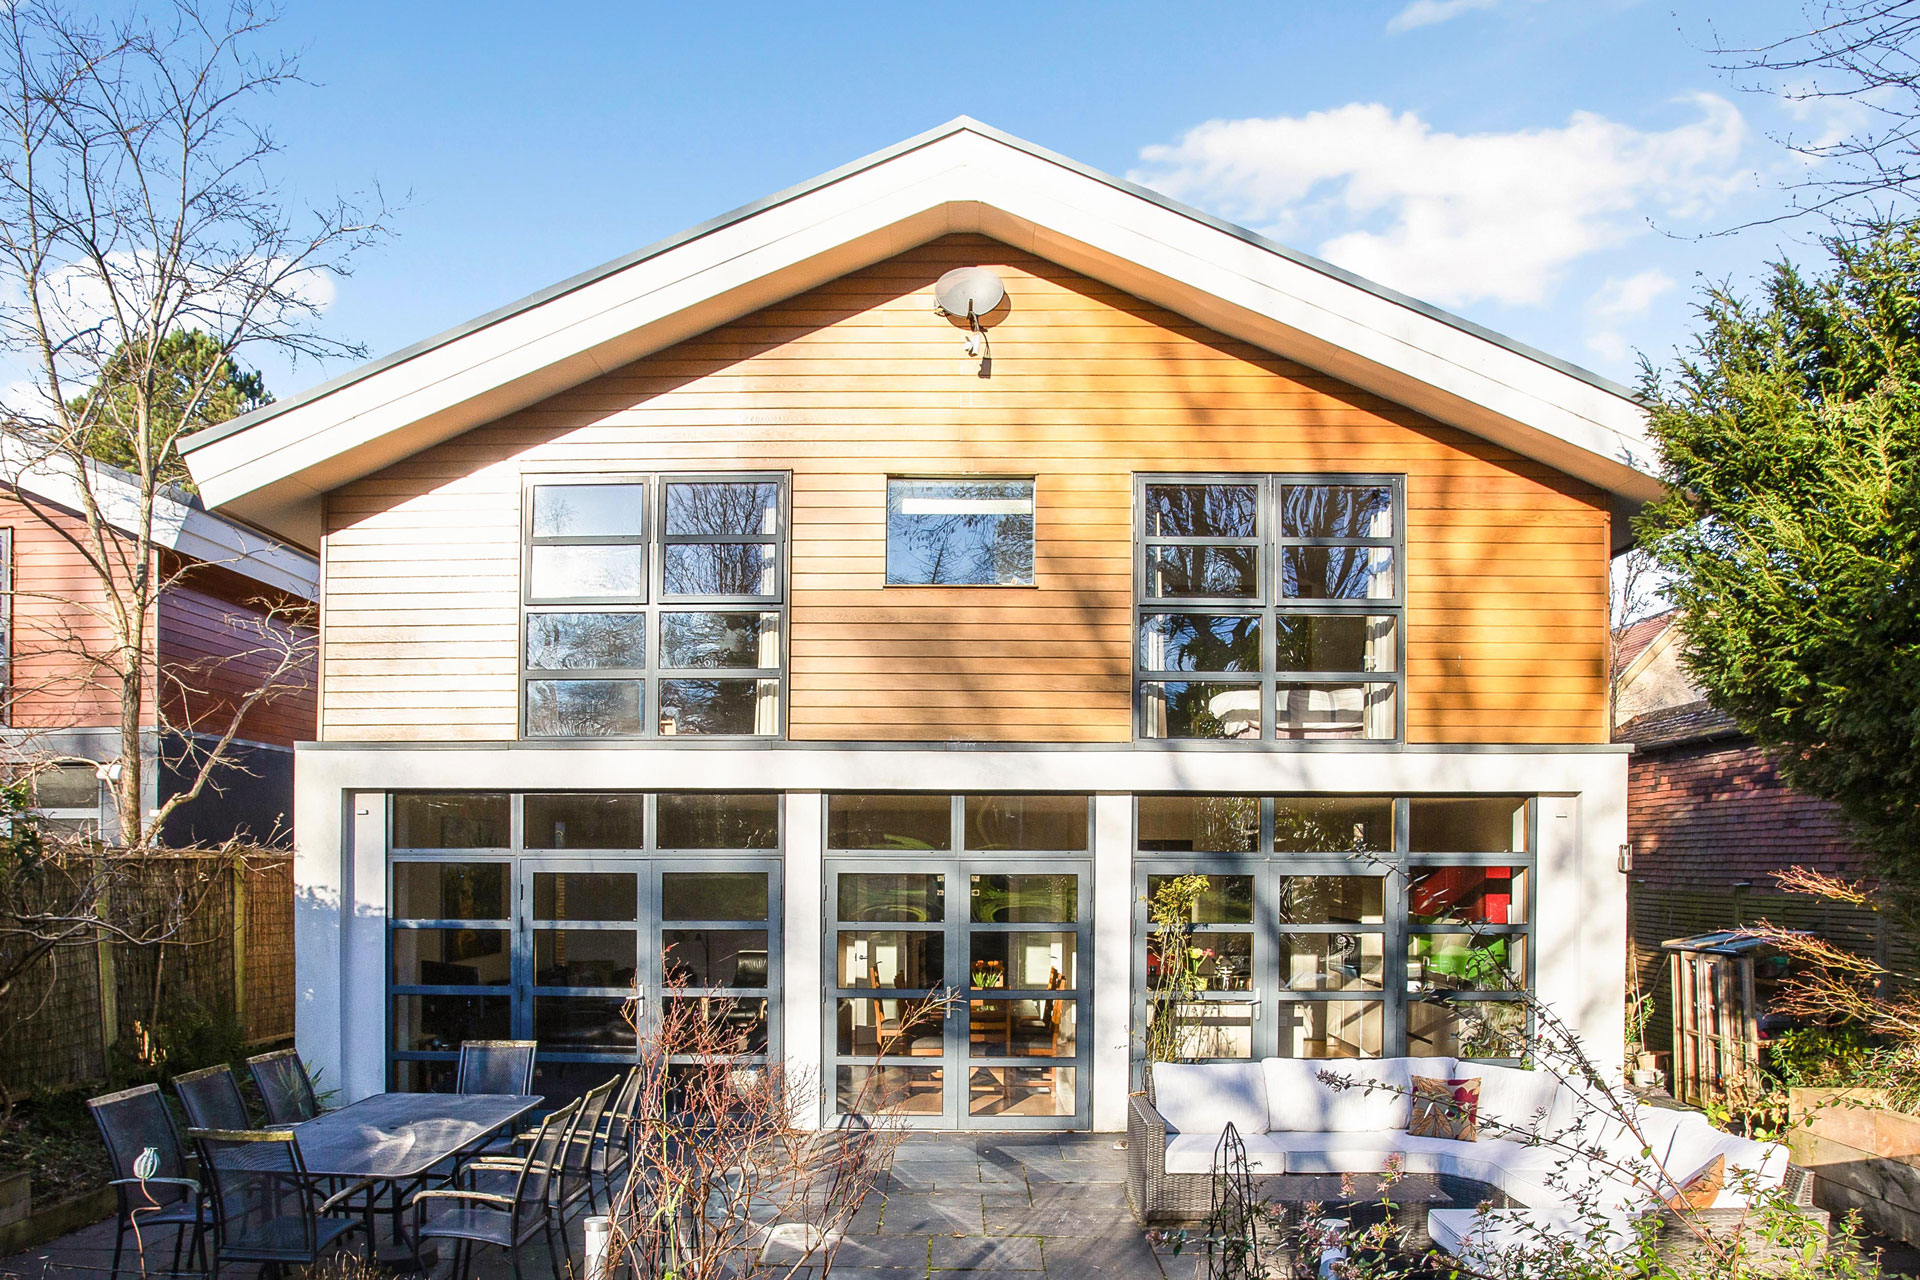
pixel 109 1000
pixel 238 872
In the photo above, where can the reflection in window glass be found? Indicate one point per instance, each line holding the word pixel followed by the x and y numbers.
pixel 1336 642
pixel 430 1024
pixel 584 708
pixel 699 820
pixel 742 641
pixel 892 958
pixel 1202 510
pixel 1026 1091
pixel 1217 961
pixel 1469 824
pixel 1202 573
pixel 581 820
pixel 890 1025
pixel 700 958
pixel 450 820
pixel 902 898
pixel 890 1090
pixel 1332 899
pixel 589 510
pixel 1336 573
pixel 889 822
pixel 1225 900
pixel 582 1024
pixel 720 569
pixel 1199 709
pixel 66 786
pixel 1467 895
pixel 741 508
pixel 1336 511
pixel 450 890
pixel 737 707
pixel 1333 824
pixel 1022 960
pixel 1333 1029
pixel 1200 642
pixel 1466 1028
pixel 451 958
pixel 960 532
pixel 1024 899
pixel 584 957
pixel 1038 823
pixel 1199 824
pixel 709 895
pixel 1320 711
pixel 566 571
pixel 562 641
pixel 1332 961
pixel 585 895
pixel 1466 962
pixel 1200 1030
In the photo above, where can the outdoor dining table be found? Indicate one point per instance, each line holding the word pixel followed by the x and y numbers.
pixel 401 1138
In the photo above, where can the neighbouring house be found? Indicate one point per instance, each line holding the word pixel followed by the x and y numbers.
pixel 207 652
pixel 728 621
pixel 1711 821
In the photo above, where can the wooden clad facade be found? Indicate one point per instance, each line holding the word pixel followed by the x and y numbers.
pixel 1506 564
pixel 223 636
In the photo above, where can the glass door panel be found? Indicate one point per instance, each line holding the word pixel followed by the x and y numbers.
pixel 583 972
pixel 1024 995
pixel 717 936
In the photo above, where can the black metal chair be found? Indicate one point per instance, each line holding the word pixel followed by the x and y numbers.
pixel 581 1157
pixel 495 1066
pixel 285 1088
pixel 211 1097
pixel 263 1200
pixel 503 1202
pixel 618 1131
pixel 133 1122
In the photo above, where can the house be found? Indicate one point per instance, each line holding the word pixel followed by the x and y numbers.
pixel 1711 822
pixel 731 603
pixel 207 649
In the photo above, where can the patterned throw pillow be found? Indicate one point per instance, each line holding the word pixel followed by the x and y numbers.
pixel 1702 1189
pixel 1446 1109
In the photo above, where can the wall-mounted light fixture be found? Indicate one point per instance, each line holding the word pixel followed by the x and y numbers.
pixel 1626 858
pixel 967 293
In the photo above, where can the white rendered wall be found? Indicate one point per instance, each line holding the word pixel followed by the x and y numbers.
pixel 339 865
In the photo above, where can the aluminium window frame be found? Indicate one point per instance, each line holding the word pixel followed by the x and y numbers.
pixel 1269 606
pixel 655 603
pixel 886 567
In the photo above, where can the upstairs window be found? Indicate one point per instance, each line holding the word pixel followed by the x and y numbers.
pixel 1269 608
pixel 960 533
pixel 671 606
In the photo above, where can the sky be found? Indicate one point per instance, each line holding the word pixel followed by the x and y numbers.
pixel 1561 172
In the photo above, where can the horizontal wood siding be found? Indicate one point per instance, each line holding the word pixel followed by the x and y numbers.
pixel 61 633
pixel 1507 558
pixel 224 637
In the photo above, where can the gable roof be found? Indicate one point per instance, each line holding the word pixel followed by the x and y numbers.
pixel 270 467
pixel 180 522
pixel 1639 637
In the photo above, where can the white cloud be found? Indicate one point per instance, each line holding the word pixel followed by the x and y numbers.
pixel 1426 13
pixel 1621 299
pixel 1455 218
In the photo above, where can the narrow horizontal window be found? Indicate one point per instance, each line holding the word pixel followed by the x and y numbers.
pixel 450 820
pixel 584 708
pixel 1200 824
pixel 561 641
pixel 960 533
pixel 1337 573
pixel 1344 900
pixel 589 511
pixel 448 890
pixel 884 821
pixel 1333 824
pixel 1467 895
pixel 584 820
pixel 1469 824
pixel 587 571
pixel 1199 709
pixel 703 820
pixel 1203 511
pixel 1307 711
pixel 1200 642
pixel 1336 642
pixel 722 569
pixel 1336 511
pixel 736 707
pixel 1203 573
pixel 723 640
pixel 1466 962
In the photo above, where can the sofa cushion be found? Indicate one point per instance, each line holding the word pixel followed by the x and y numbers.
pixel 1298 1101
pixel 1193 1153
pixel 1337 1152
pixel 1445 1108
pixel 1480 1236
pixel 1749 1166
pixel 1513 1102
pixel 1205 1097
pixel 1493 1161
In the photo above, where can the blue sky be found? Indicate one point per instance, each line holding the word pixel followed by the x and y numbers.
pixel 1546 168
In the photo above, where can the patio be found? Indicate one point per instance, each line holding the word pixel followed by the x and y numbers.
pixel 1027 1205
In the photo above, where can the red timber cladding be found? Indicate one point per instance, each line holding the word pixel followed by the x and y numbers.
pixel 1704 815
pixel 60 621
pixel 220 638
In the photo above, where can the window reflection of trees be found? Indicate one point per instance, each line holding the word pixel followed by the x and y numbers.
pixel 959 548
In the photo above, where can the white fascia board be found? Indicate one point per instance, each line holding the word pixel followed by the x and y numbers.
pixel 177 525
pixel 274 471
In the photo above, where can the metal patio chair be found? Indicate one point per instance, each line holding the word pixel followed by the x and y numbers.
pixel 211 1098
pixel 285 1088
pixel 132 1123
pixel 495 1066
pixel 618 1131
pixel 263 1200
pixel 503 1202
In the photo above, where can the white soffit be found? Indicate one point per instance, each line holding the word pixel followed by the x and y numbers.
pixel 270 467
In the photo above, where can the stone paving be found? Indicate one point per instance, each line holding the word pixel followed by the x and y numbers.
pixel 954 1207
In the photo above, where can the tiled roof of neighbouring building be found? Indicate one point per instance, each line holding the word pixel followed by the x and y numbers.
pixel 1638 635
pixel 1693 722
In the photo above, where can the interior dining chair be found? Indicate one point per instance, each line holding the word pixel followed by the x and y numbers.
pixel 285 1088
pixel 211 1098
pixel 495 1066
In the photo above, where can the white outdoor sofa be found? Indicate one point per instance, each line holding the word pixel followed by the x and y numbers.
pixel 1531 1127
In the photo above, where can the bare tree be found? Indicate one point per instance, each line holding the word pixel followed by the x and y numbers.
pixel 1859 60
pixel 137 204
